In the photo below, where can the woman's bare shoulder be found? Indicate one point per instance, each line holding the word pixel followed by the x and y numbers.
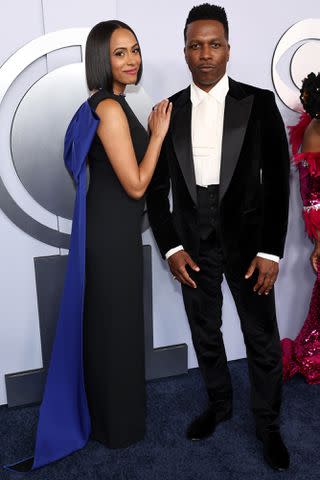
pixel 110 108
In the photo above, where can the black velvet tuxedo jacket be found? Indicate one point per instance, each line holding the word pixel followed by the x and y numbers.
pixel 254 178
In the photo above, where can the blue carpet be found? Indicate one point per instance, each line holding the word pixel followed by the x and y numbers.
pixel 232 453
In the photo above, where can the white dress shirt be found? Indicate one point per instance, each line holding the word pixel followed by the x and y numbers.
pixel 207 117
pixel 206 131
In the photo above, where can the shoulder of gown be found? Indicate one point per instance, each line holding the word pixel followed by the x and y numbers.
pixel 78 138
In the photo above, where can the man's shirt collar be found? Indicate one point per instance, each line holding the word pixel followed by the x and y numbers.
pixel 218 92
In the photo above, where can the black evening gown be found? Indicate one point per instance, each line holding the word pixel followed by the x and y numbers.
pixel 113 311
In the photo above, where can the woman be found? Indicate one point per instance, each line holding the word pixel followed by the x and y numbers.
pixel 95 382
pixel 303 354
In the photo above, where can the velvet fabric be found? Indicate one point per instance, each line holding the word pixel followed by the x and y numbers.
pixel 254 178
pixel 223 237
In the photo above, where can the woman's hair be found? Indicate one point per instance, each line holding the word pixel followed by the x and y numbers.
pixel 310 95
pixel 97 57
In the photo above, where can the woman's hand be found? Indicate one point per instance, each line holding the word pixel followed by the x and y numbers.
pixel 315 256
pixel 159 119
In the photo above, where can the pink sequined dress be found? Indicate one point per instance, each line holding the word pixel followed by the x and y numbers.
pixel 302 355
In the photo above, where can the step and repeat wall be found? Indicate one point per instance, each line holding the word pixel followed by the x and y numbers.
pixel 273 45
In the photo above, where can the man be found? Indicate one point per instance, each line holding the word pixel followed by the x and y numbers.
pixel 226 155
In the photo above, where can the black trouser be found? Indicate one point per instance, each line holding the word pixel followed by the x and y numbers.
pixel 258 322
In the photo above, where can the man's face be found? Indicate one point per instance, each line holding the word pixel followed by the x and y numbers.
pixel 206 52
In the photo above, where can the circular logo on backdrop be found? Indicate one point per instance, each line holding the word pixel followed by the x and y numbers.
pixel 297 52
pixel 36 191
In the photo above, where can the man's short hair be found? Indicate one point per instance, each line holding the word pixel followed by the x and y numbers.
pixel 206 11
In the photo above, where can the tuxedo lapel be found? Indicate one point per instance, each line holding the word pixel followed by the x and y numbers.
pixel 181 139
pixel 236 117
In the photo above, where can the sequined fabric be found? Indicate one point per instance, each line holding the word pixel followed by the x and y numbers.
pixel 309 172
pixel 302 355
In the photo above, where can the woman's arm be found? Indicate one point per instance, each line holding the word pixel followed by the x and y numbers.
pixel 114 134
pixel 315 255
pixel 311 144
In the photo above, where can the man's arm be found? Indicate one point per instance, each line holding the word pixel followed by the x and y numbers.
pixel 161 222
pixel 275 196
pixel 275 170
pixel 158 206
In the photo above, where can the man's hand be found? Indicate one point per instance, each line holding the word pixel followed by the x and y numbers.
pixel 268 272
pixel 315 256
pixel 177 263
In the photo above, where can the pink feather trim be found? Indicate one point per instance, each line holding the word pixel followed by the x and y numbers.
pixel 296 132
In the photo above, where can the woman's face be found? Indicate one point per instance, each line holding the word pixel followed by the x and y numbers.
pixel 125 59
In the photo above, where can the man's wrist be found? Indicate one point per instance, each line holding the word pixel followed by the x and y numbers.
pixel 173 250
pixel 269 256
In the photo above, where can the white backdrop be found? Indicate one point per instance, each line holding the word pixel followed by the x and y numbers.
pixel 255 29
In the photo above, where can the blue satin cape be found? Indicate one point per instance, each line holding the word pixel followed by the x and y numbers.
pixel 64 421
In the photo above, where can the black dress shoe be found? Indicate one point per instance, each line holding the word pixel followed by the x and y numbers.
pixel 274 450
pixel 204 425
